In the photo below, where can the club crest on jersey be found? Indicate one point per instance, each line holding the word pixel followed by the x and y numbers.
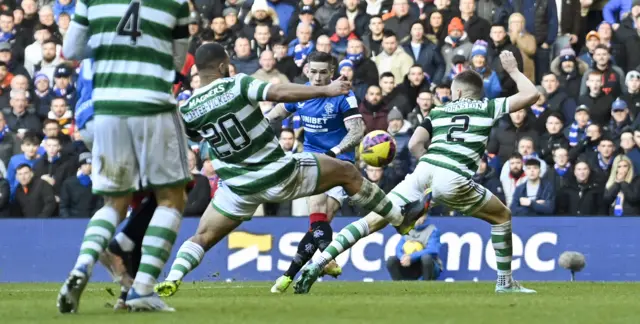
pixel 328 108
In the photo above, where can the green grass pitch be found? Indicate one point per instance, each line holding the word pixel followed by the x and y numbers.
pixel 341 302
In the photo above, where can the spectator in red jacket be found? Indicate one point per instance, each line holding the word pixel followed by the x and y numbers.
pixel 374 110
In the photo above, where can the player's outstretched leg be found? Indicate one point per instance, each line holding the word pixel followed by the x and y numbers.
pixel 156 248
pixel 499 216
pixel 367 195
pixel 347 237
pixel 98 234
pixel 212 228
pixel 322 209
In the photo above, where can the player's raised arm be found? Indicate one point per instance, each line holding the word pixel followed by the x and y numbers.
pixel 527 93
pixel 75 45
pixel 295 92
pixel 420 139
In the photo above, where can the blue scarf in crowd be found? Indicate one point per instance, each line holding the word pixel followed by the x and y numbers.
pixel 6 37
pixel 573 133
pixel 533 155
pixel 561 170
pixel 603 165
pixel 85 180
pixel 4 132
pixel 617 207
pixel 355 58
pixel 538 110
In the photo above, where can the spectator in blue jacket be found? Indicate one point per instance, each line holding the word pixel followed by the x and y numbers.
pixel 417 254
pixel 615 10
pixel 28 156
pixel 536 196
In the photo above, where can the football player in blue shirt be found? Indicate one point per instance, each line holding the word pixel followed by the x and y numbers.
pixel 332 126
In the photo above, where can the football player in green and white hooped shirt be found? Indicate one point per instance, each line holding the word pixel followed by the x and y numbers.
pixel 253 167
pixel 458 132
pixel 139 140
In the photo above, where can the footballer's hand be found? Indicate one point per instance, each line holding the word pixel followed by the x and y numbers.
pixel 339 86
pixel 508 61
pixel 405 261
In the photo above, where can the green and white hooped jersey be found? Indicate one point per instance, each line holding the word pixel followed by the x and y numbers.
pixel 460 130
pixel 132 43
pixel 244 149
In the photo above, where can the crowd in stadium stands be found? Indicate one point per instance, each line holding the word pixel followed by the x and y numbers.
pixel 575 152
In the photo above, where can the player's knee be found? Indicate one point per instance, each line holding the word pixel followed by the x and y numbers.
pixel 172 197
pixel 120 204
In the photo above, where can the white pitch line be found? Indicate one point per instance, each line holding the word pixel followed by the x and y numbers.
pixel 103 289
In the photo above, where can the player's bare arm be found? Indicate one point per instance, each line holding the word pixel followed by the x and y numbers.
pixel 296 92
pixel 278 113
pixel 356 128
pixel 527 93
pixel 420 139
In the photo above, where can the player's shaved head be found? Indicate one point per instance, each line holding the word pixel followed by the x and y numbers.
pixel 467 84
pixel 212 62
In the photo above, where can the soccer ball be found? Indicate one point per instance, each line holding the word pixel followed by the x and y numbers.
pixel 411 247
pixel 378 148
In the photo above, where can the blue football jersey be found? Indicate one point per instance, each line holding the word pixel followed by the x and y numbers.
pixel 84 106
pixel 323 122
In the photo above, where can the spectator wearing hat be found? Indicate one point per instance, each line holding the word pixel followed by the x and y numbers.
pixel 393 58
pixel 480 64
pixel 303 45
pixel 620 120
pixel 356 15
pixel 62 85
pixel 346 69
pixel 326 11
pixel 612 76
pixel 629 148
pixel 365 70
pixel 425 53
pixel 341 38
pixel 577 130
pixel 262 13
pixel 401 131
pixel 407 91
pixel 244 60
pixel 525 42
pixel 33 52
pixel 233 22
pixel 34 196
pixel 569 71
pixel 374 110
pixel 457 43
pixel 535 197
pixel 632 95
pixel 509 131
pixel 402 20
pixel 592 40
pixel 476 27
pixel 488 177
pixel 268 69
pixel 597 100
pixel 372 39
pixel 552 138
pixel 50 60
pixel 76 198
pixel 19 119
pixel 557 99
pixel 622 191
pixel 498 43
pixel 42 95
pixel 582 196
